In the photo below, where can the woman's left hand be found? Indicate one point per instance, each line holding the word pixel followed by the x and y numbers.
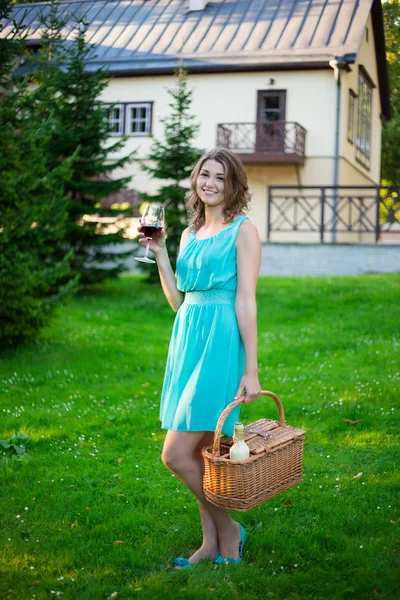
pixel 250 385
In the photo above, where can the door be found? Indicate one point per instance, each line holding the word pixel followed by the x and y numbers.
pixel 270 131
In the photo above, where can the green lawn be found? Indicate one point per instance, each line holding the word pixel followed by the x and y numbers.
pixel 95 515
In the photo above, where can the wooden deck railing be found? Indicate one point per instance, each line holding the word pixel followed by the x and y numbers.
pixel 362 213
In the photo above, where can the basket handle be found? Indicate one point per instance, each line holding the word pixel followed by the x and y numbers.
pixel 234 404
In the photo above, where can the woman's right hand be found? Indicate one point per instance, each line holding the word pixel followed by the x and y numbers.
pixel 157 241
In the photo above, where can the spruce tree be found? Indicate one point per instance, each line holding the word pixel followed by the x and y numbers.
pixel 11 47
pixel 390 163
pixel 32 207
pixel 70 97
pixel 173 160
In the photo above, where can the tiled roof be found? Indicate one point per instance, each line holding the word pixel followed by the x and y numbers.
pixel 152 35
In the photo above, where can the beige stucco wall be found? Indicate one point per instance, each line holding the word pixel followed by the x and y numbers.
pixel 232 98
pixel 262 177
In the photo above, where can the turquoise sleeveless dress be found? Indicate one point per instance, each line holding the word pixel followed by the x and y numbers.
pixel 206 358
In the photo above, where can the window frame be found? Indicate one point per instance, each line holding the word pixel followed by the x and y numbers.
pixel 364 118
pixel 148 119
pixel 119 105
pixel 351 116
pixel 124 125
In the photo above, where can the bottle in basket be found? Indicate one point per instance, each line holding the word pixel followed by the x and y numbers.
pixel 239 450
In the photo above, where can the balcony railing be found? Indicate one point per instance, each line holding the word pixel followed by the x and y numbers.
pixel 264 141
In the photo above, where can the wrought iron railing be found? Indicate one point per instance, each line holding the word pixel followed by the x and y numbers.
pixel 263 137
pixel 335 210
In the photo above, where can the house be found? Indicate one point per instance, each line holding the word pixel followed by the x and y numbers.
pixel 298 88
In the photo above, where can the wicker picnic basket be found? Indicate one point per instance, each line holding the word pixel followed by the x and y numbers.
pixel 275 463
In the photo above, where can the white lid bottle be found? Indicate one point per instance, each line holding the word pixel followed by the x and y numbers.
pixel 239 450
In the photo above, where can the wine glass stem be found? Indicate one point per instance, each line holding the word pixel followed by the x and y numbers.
pixel 147 248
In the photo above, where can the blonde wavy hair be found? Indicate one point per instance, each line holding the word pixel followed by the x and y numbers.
pixel 236 190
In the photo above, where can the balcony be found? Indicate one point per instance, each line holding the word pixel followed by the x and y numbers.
pixel 264 142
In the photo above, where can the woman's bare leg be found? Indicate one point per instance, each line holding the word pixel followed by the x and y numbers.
pixel 180 455
pixel 210 546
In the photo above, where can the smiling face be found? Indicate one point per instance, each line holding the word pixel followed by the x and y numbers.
pixel 210 183
pixel 218 188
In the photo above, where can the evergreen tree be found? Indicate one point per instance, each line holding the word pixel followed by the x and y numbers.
pixel 11 47
pixel 390 169
pixel 173 160
pixel 70 97
pixel 32 208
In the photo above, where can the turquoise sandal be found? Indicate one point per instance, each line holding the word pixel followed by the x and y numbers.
pixel 183 563
pixel 220 560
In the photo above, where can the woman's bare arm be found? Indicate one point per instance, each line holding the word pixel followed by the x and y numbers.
pixel 167 276
pixel 248 259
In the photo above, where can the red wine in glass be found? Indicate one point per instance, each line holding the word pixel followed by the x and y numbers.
pixel 152 221
pixel 150 230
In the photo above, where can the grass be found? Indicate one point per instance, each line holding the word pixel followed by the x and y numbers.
pixel 95 515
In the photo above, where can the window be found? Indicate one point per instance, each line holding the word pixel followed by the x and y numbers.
pixel 115 119
pixel 138 119
pixel 363 138
pixel 351 115
pixel 133 118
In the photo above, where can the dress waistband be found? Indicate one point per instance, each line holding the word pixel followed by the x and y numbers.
pixel 213 296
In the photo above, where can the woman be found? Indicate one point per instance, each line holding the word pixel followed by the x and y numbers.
pixel 213 350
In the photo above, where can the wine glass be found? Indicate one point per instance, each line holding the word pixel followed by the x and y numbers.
pixel 152 221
